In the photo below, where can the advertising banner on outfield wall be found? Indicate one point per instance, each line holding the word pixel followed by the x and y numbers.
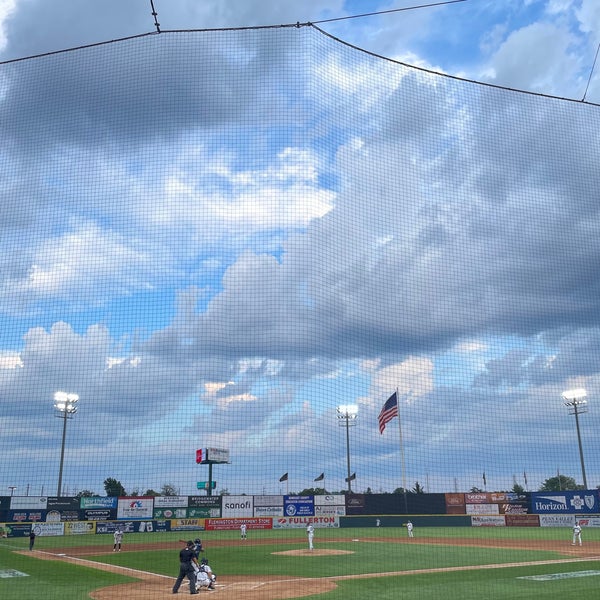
pixel 482 509
pixel 102 502
pixel 187 524
pixel 135 508
pixel 557 520
pixel 588 521
pixel 26 516
pixel 268 501
pixel 232 524
pixel 49 529
pixel 268 511
pixel 487 521
pixel 204 502
pixel 522 520
pixel 298 506
pixel 330 499
pixel 237 506
pixel 80 528
pixel 14 530
pixel 340 511
pixel 28 503
pixel 170 501
pixel 301 522
pixel 99 514
pixel 585 501
pixel 454 499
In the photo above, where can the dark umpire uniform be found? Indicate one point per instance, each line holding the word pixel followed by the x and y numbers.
pixel 186 569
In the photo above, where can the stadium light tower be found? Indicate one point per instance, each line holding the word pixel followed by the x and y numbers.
pixel 576 401
pixel 66 405
pixel 347 415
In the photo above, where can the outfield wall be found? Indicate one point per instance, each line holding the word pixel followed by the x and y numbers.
pixel 54 515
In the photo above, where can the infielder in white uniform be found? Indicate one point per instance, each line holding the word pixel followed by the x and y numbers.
pixel 409 529
pixel 576 534
pixel 118 539
pixel 243 529
pixel 310 532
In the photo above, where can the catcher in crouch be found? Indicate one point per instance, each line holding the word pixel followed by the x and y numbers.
pixel 205 576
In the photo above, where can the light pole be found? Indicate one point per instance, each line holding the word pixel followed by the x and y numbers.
pixel 576 401
pixel 347 415
pixel 12 489
pixel 66 405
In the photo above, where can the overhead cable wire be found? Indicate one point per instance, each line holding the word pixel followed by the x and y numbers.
pixel 392 10
pixel 591 74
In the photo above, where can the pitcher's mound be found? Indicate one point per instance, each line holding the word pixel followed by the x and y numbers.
pixel 315 552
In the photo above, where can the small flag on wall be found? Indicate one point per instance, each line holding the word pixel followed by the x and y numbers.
pixel 320 477
pixel 284 477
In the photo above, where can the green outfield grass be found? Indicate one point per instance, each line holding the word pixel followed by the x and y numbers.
pixel 51 580
pixel 62 581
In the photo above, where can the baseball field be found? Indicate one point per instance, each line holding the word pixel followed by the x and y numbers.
pixel 461 563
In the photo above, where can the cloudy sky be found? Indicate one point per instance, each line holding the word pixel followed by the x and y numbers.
pixel 215 238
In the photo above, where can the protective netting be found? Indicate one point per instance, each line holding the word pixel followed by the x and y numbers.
pixel 216 238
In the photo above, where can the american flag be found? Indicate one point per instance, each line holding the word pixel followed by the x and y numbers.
pixel 388 412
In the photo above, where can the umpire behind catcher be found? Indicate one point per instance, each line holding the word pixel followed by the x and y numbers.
pixel 187 558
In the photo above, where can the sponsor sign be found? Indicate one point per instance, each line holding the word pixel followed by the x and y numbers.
pixel 522 520
pixel 300 522
pixel 585 501
pixel 14 530
pixel 268 511
pixel 135 508
pixel 26 516
pixel 98 502
pixel 557 520
pixel 487 521
pixel 298 506
pixel 229 524
pixel 112 526
pixel 170 501
pixel 355 501
pixel 330 499
pixel 61 503
pixel 217 455
pixel 481 498
pixel 482 509
pixel 330 510
pixel 28 502
pixel 53 516
pixel 48 529
pixel 513 509
pixel 588 521
pixel 187 524
pixel 80 528
pixel 170 513
pixel 269 501
pixel 100 514
pixel 455 499
pixel 237 506
pixel 205 501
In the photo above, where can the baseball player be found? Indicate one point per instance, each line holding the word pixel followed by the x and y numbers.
pixel 243 529
pixel 310 532
pixel 118 539
pixel 205 578
pixel 576 534
pixel 409 529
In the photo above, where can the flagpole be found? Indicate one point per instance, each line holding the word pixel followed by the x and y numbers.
pixel 402 463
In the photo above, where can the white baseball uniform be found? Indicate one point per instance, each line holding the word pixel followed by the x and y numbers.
pixel 409 528
pixel 310 532
pixel 577 534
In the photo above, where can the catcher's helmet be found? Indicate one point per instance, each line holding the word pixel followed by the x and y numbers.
pixel 204 561
pixel 197 541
